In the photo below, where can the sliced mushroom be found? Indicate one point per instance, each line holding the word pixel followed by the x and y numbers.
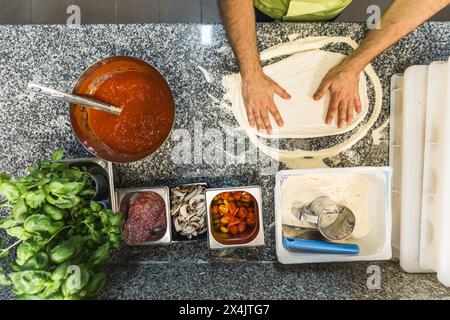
pixel 184 210
pixel 194 202
pixel 188 210
pixel 174 210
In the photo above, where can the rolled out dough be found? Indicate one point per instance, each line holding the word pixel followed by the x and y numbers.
pixel 348 189
pixel 300 158
pixel 301 75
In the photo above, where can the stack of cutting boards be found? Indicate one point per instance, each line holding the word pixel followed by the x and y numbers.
pixel 420 157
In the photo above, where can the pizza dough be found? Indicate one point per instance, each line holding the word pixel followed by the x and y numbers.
pixel 300 75
pixel 301 158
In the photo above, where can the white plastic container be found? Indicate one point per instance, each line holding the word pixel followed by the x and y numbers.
pixel 422 134
pixel 376 245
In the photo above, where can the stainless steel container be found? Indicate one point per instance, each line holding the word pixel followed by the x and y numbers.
pixel 126 193
pixel 109 172
pixel 176 236
pixel 255 191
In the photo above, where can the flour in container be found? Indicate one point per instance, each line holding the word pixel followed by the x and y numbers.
pixel 350 190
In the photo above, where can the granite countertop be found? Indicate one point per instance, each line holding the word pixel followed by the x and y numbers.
pixel 194 58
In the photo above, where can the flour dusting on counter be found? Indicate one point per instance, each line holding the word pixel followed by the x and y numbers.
pixel 206 74
pixel 379 135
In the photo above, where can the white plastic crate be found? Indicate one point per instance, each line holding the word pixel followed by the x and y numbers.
pixel 421 168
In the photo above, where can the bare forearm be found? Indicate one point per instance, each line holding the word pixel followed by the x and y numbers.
pixel 238 17
pixel 402 17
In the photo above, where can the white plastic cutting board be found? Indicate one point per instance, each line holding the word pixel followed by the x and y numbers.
pixel 395 157
pixel 443 268
pixel 414 113
pixel 420 157
pixel 434 200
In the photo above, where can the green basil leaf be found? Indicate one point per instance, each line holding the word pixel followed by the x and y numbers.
pixel 115 219
pixel 87 192
pixel 43 164
pixel 20 210
pixel 9 222
pixel 9 190
pixel 52 289
pixel 14 267
pixel 60 273
pixel 100 256
pixel 114 239
pixel 28 297
pixel 30 281
pixel 63 202
pixel 62 252
pixel 73 174
pixel 72 297
pixel 34 198
pixel 19 233
pixel 39 223
pixel 65 189
pixel 76 281
pixel 66 249
pixel 4 281
pixel 55 187
pixel 4 177
pixel 4 253
pixel 55 296
pixel 26 250
pixel 54 212
pixel 58 154
pixel 73 188
pixel 95 206
pixel 57 166
pixel 40 261
pixel 96 284
pixel 95 236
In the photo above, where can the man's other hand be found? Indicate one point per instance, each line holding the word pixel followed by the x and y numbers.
pixel 343 83
pixel 258 94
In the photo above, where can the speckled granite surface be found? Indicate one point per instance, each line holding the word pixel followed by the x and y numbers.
pixel 193 63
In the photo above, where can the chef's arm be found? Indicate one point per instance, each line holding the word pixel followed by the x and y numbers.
pixel 402 17
pixel 238 17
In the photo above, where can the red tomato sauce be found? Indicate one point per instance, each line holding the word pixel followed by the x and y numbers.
pixel 146 118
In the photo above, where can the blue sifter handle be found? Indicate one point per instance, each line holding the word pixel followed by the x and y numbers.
pixel 320 246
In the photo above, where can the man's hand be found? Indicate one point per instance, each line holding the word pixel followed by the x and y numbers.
pixel 343 83
pixel 401 17
pixel 238 17
pixel 258 94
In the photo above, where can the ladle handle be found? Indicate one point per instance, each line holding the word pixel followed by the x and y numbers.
pixel 71 98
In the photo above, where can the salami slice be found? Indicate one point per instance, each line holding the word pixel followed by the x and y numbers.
pixel 146 214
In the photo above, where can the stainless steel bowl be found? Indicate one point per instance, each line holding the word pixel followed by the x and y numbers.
pixel 79 115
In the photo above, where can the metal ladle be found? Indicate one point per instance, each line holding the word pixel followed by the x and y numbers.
pixel 72 98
